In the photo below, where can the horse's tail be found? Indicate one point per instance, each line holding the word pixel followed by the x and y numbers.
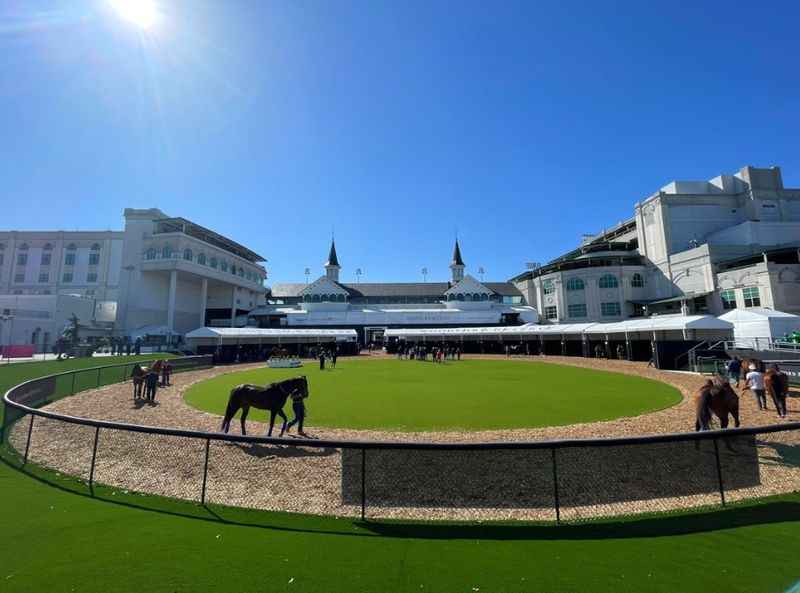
pixel 232 408
pixel 703 419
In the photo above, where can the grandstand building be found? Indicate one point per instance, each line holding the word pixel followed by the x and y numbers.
pixel 694 247
pixel 372 308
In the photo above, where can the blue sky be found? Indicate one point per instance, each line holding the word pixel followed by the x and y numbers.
pixel 522 125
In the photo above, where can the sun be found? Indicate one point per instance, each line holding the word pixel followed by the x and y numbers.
pixel 142 13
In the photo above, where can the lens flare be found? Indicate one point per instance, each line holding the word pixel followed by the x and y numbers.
pixel 142 13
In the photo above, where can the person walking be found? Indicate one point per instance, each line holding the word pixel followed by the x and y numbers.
pixel 321 359
pixel 151 385
pixel 754 381
pixel 299 409
pixel 334 356
pixel 734 370
pixel 778 389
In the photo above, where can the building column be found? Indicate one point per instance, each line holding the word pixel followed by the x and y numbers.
pixel 233 306
pixel 203 301
pixel 173 288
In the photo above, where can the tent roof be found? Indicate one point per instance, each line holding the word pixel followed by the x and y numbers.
pixel 661 323
pixel 256 332
pixel 756 314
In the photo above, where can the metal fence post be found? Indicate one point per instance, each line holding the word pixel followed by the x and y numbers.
pixel 363 483
pixel 73 382
pixel 555 486
pixel 98 375
pixel 124 372
pixel 205 473
pixel 94 455
pixel 28 443
pixel 719 473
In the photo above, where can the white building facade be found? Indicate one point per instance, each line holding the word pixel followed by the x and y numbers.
pixel 159 276
pixel 693 247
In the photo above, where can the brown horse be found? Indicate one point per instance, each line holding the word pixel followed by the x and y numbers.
pixel 272 397
pixel 777 385
pixel 137 376
pixel 718 397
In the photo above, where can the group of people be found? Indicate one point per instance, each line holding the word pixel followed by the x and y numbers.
pixel 120 346
pixel 147 380
pixel 332 355
pixel 759 383
pixel 437 353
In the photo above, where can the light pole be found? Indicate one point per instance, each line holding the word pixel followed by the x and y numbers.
pixel 358 275
pixel 129 269
pixel 10 318
pixel 424 274
pixel 481 272
pixel 307 272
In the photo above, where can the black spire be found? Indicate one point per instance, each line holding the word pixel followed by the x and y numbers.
pixel 332 259
pixel 457 261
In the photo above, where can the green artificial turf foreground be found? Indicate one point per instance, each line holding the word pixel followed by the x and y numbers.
pixel 469 394
pixel 59 538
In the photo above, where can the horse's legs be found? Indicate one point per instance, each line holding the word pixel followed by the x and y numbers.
pixel 245 410
pixel 723 420
pixel 271 422
pixel 285 420
pixel 735 414
pixel 230 412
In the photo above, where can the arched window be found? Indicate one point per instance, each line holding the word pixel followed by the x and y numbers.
pixel 575 284
pixel 484 297
pixel 150 253
pixel 306 298
pixel 201 259
pixel 214 262
pixel 187 254
pixel 166 253
pixel 95 246
pixel 548 287
pixel 459 297
pixel 637 281
pixel 71 247
pixel 608 281
pixel 315 298
pixel 47 247
pixel 324 298
pixel 468 296
pixel 341 298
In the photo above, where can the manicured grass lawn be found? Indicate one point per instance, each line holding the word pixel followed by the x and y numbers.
pixel 470 394
pixel 56 540
pixel 56 537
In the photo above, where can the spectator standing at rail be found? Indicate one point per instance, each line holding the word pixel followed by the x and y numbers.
pixel 735 370
pixel 620 352
pixel 458 353
pixel 754 381
pixel 166 373
pixel 334 356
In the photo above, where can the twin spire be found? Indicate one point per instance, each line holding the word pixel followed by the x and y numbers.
pixel 332 266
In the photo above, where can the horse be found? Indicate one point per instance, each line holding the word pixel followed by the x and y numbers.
pixel 138 374
pixel 777 384
pixel 746 362
pixel 718 397
pixel 271 397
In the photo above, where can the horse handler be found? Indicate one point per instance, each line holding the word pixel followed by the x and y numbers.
pixel 299 409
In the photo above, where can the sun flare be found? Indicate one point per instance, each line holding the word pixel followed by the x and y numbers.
pixel 142 13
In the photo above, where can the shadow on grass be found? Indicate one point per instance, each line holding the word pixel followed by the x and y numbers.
pixel 771 511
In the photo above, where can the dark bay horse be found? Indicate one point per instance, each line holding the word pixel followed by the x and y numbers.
pixel 717 397
pixel 271 397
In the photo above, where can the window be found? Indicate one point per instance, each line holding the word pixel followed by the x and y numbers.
pixel 578 310
pixel 22 259
pixel 94 259
pixel 95 246
pixel 548 287
pixel 19 277
pixel 187 254
pixel 46 257
pixel 23 247
pixel 150 253
pixel 751 296
pixel 233 269
pixel 608 281
pixel 610 309
pixel 166 253
pixel 91 277
pixel 241 272
pixel 551 312
pixel 728 299
pixel 44 278
pixel 2 258
pixel 214 262
pixel 69 259
pixel 71 247
pixel 223 266
pixel 637 281
pixel 67 277
pixel 575 284
pixel 201 259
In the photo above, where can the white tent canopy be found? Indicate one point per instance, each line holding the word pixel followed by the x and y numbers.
pixel 757 327
pixel 255 335
pixel 662 323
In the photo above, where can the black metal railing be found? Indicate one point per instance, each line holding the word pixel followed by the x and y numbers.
pixel 542 480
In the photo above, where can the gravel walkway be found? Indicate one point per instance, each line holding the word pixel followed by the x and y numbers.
pixel 414 484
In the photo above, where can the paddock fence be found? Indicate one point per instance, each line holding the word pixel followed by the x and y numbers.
pixel 559 480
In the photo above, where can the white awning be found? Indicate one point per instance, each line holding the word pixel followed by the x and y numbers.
pixel 268 335
pixel 662 323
